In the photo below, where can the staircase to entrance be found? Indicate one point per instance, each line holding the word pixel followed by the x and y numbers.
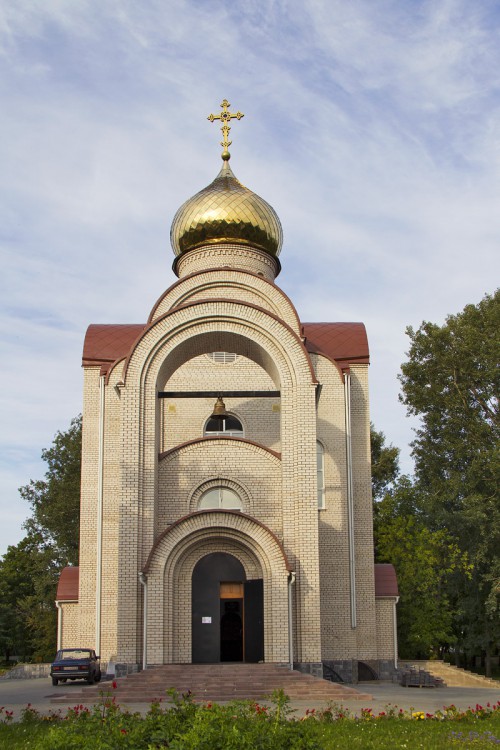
pixel 455 676
pixel 220 682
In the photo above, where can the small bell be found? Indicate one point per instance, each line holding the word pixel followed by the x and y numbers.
pixel 219 411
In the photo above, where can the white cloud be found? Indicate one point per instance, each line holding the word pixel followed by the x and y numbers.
pixel 371 127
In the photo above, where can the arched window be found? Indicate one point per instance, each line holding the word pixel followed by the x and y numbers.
pixel 220 497
pixel 229 426
pixel 320 462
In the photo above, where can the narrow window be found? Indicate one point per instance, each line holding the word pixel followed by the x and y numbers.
pixel 320 463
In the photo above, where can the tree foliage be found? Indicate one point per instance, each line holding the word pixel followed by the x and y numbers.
pixel 385 463
pixel 427 562
pixel 29 571
pixel 451 381
pixel 55 500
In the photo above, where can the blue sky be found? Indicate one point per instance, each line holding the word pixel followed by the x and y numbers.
pixel 372 128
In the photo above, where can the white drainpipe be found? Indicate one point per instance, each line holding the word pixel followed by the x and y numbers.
pixel 59 625
pixel 144 583
pixel 100 475
pixel 395 626
pixel 291 581
pixel 350 497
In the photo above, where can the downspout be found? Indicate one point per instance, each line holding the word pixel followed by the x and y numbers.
pixel 291 580
pixel 100 475
pixel 395 626
pixel 143 580
pixel 350 497
pixel 59 625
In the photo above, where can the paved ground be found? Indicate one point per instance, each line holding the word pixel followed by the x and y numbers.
pixel 16 694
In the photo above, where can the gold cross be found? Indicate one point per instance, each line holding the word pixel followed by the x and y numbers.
pixel 225 117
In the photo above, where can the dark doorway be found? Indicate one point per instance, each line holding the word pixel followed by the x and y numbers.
pixel 231 630
pixel 206 608
pixel 227 612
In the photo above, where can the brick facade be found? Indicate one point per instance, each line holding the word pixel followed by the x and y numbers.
pixel 147 462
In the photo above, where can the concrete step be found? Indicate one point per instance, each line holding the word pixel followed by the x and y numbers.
pixel 453 676
pixel 218 682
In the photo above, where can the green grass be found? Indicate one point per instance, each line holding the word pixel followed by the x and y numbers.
pixel 246 725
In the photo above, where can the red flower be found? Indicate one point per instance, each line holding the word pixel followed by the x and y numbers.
pixel 114 685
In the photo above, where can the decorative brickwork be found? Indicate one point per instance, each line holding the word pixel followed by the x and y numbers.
pixel 229 284
pixel 228 256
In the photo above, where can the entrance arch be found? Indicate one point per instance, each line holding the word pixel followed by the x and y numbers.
pixel 257 561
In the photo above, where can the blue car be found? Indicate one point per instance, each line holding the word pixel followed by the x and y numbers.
pixel 75 664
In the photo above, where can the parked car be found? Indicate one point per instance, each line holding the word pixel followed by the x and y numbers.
pixel 75 664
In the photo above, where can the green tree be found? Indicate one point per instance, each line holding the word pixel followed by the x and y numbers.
pixel 55 500
pixel 29 571
pixel 451 381
pixel 28 580
pixel 385 463
pixel 427 562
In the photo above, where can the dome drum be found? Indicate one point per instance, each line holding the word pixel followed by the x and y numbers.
pixel 225 255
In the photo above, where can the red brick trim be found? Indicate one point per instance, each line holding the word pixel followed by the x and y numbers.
pixel 163 455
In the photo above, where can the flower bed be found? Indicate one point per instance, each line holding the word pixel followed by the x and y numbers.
pixel 186 725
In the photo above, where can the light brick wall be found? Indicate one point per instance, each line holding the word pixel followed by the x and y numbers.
pixel 70 628
pixel 253 472
pixel 338 639
pixel 385 627
pixel 273 469
pixel 111 514
pixel 363 514
pixel 88 506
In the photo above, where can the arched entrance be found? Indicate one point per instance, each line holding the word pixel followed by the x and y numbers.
pixel 234 536
pixel 227 612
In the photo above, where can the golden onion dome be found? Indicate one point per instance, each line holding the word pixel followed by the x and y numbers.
pixel 226 212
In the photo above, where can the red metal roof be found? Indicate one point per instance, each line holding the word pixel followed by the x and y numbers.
pixel 386 582
pixel 343 342
pixel 67 588
pixel 107 343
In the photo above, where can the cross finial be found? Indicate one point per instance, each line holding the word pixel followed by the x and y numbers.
pixel 225 117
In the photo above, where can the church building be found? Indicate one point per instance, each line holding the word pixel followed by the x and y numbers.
pixel 226 506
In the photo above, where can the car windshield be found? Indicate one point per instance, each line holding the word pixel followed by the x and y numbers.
pixel 74 653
